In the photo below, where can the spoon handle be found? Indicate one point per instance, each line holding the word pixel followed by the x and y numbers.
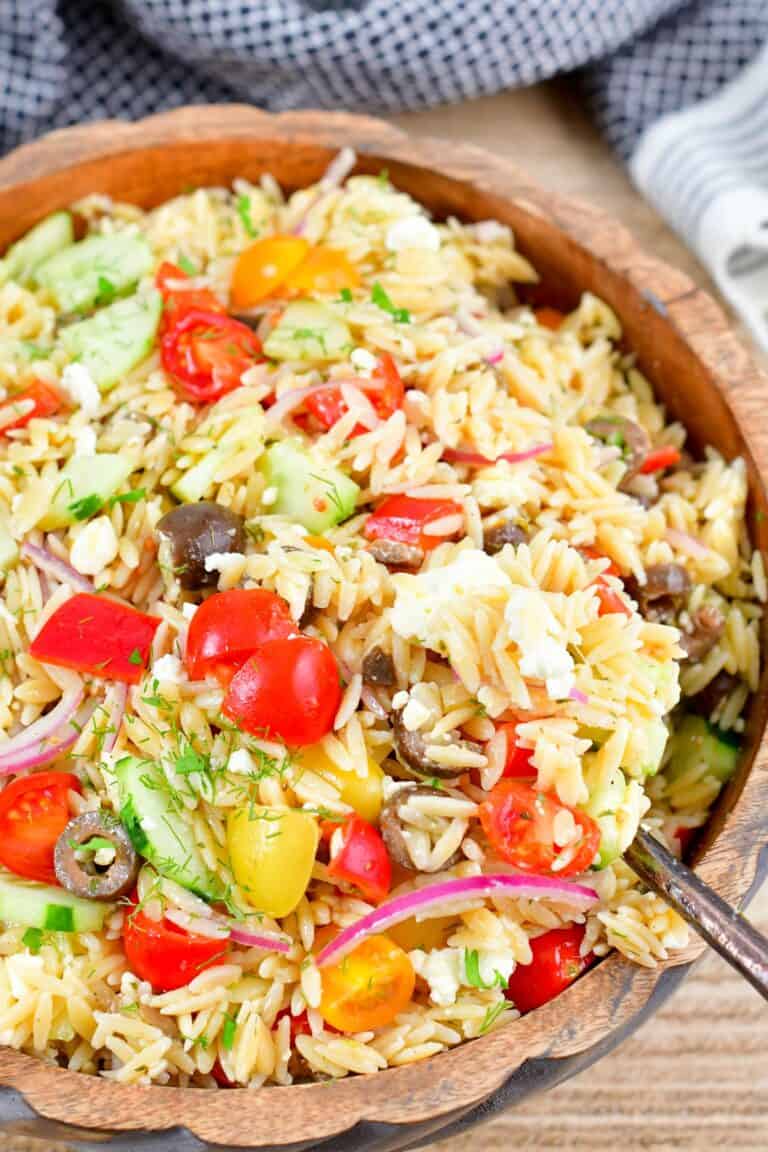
pixel 723 928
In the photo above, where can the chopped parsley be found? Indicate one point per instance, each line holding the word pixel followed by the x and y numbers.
pixel 86 507
pixel 94 845
pixel 380 298
pixel 472 968
pixel 136 658
pixel 345 296
pixel 243 205
pixel 131 497
pixel 187 266
pixel 491 1016
pixel 33 939
pixel 228 1034
pixel 107 291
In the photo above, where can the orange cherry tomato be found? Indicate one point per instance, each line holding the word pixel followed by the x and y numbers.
pixel 265 266
pixel 519 822
pixel 324 271
pixel 34 811
pixel 368 988
pixel 550 318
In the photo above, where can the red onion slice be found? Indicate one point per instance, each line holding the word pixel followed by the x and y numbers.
pixel 428 900
pixel 333 177
pixel 476 459
pixel 48 737
pixel 578 695
pixel 290 401
pixel 52 565
pixel 684 542
pixel 114 704
pixel 269 941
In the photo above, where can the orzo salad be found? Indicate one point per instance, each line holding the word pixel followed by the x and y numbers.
pixel 354 614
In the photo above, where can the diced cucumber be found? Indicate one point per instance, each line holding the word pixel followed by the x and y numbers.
pixel 195 484
pixel 81 478
pixel 153 818
pixel 43 906
pixel 42 242
pixel 116 339
pixel 645 747
pixel 9 550
pixel 308 331
pixel 80 275
pixel 696 743
pixel 665 678
pixel 616 804
pixel 311 493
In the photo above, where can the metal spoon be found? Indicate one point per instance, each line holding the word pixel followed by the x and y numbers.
pixel 723 928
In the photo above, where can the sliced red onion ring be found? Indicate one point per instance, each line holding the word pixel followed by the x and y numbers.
pixel 114 704
pixel 494 357
pixel 290 401
pixel 56 567
pixel 333 177
pixel 269 941
pixel 356 400
pixel 48 737
pixel 466 456
pixel 578 695
pixel 686 543
pixel 425 901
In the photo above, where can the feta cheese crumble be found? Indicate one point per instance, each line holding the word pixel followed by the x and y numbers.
pixel 81 388
pixel 85 441
pixel 420 600
pixel 168 669
pixel 412 232
pixel 95 547
pixel 363 360
pixel 445 970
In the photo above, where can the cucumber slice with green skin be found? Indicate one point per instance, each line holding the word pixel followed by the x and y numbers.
pixel 655 736
pixel 616 805
pixel 85 484
pixel 195 484
pixel 43 906
pixel 111 343
pixel 309 493
pixel 78 276
pixel 696 743
pixel 153 818
pixel 9 549
pixel 42 242
pixel 308 331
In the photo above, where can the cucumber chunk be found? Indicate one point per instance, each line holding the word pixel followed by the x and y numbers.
pixel 81 479
pixel 116 339
pixel 645 748
pixel 616 805
pixel 308 331
pixel 308 492
pixel 195 484
pixel 78 276
pixel 42 242
pixel 9 549
pixel 43 906
pixel 699 744
pixel 153 818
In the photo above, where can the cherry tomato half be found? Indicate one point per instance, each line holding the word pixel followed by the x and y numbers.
pixel 556 964
pixel 178 299
pixel 230 626
pixel 35 402
pixel 165 955
pixel 368 988
pixel 264 266
pixel 289 689
pixel 323 271
pixel 360 858
pixel 385 390
pixel 405 518
pixel 518 761
pixel 97 635
pixel 34 811
pixel 519 822
pixel 206 353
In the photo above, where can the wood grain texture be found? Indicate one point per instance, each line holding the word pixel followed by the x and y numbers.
pixel 707 378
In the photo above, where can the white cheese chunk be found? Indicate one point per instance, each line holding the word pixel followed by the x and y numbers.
pixel 412 232
pixel 168 669
pixel 85 441
pixel 96 546
pixel 81 388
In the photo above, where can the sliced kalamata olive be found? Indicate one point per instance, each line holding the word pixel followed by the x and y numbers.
pixel 378 668
pixel 309 610
pixel 707 626
pixel 507 532
pixel 395 554
pixel 75 858
pixel 665 585
pixel 411 750
pixel 624 434
pixel 391 825
pixel 190 533
pixel 714 695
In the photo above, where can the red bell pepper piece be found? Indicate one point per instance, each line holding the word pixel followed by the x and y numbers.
pixel 96 635
pixel 405 519
pixel 35 402
pixel 660 458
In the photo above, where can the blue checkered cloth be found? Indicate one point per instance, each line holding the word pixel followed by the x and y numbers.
pixel 639 62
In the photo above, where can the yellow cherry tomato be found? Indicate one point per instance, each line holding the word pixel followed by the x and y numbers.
pixel 424 934
pixel 368 988
pixel 272 852
pixel 324 271
pixel 361 793
pixel 265 266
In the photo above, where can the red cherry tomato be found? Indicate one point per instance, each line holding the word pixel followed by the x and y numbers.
pixel 519 822
pixel 34 811
pixel 221 1077
pixel 206 353
pixel 290 689
pixel 610 600
pixel 660 458
pixel 385 391
pixel 518 762
pixel 405 519
pixel 684 836
pixel 35 402
pixel 165 955
pixel 299 1024
pixel 97 635
pixel 229 627
pixel 556 964
pixel 178 299
pixel 362 859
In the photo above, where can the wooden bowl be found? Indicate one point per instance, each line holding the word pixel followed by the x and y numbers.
pixel 708 381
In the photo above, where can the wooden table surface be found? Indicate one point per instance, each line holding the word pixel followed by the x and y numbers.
pixel 695 1078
